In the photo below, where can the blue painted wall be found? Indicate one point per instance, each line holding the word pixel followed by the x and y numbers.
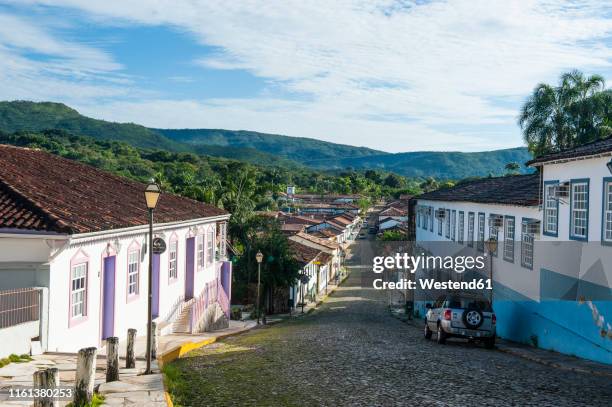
pixel 564 320
pixel 572 316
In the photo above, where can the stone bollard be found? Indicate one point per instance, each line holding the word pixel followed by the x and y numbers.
pixel 153 340
pixel 52 381
pixel 85 376
pixel 112 359
pixel 130 361
pixel 39 383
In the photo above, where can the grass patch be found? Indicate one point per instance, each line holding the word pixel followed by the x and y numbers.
pixel 13 358
pixel 251 369
pixel 96 400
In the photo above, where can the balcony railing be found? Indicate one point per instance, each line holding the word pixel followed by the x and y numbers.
pixel 18 306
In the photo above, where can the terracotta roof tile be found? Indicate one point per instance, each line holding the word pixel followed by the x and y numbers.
pixel 43 192
pixel 521 190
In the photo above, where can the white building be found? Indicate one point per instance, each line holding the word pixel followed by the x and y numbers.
pixel 553 266
pixel 73 244
pixel 316 266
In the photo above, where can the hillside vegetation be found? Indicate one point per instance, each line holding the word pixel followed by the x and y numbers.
pixel 259 148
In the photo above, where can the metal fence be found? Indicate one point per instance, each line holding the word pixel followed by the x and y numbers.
pixel 18 306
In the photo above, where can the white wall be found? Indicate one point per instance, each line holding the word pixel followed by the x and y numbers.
pixel 595 170
pixel 130 312
pixel 510 274
pixel 17 339
pixel 583 255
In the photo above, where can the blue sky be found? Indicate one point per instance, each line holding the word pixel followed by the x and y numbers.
pixel 394 75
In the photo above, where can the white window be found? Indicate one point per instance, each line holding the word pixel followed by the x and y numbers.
pixel 448 223
pixel 200 254
pixel 470 236
pixel 133 271
pixel 223 243
pixel 453 224
pixel 440 226
pixel 460 229
pixel 172 266
pixel 607 221
pixel 210 245
pixel 509 239
pixel 494 234
pixel 431 219
pixel 481 232
pixel 580 210
pixel 527 241
pixel 78 290
pixel 551 210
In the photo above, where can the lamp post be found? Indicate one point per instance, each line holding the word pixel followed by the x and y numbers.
pixel 491 245
pixel 152 193
pixel 259 258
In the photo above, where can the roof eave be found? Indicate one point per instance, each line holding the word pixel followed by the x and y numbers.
pixel 540 163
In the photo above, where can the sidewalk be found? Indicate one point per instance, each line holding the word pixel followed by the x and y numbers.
pixel 554 359
pixel 132 387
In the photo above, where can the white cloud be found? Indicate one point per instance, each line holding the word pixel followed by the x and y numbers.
pixel 370 70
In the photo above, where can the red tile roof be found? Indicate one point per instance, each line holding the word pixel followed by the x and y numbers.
pixel 302 253
pixel 393 211
pixel 43 192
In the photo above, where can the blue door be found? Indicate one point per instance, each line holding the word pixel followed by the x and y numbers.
pixel 108 298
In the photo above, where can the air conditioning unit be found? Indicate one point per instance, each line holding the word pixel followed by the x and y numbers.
pixel 440 213
pixel 496 221
pixel 531 226
pixel 562 190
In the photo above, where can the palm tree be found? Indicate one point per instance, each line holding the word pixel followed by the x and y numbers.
pixel 557 118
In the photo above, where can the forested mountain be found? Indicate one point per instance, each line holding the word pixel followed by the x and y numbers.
pixel 33 116
pixel 301 149
pixel 446 165
pixel 259 148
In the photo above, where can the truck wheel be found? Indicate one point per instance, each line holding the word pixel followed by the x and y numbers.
pixel 427 331
pixel 441 335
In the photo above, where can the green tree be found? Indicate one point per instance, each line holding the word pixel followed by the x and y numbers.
pixel 512 168
pixel 573 113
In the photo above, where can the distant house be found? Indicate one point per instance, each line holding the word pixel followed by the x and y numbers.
pixel 388 223
pixel 392 212
pixel 74 255
pixel 321 208
pixel 333 249
pixel 347 223
pixel 316 265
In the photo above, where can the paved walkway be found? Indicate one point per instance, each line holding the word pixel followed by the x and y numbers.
pixel 352 352
pixel 133 387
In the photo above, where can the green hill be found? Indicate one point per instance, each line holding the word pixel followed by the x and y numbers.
pixel 259 148
pixel 451 165
pixel 301 149
pixel 33 116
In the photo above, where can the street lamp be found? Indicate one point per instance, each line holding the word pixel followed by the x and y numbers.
pixel 152 193
pixel 491 246
pixel 609 165
pixel 259 258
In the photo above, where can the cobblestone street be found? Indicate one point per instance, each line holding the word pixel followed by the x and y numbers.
pixel 351 351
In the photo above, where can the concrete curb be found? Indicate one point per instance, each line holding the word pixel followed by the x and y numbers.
pixel 548 363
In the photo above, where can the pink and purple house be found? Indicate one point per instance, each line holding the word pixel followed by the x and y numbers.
pixel 74 261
